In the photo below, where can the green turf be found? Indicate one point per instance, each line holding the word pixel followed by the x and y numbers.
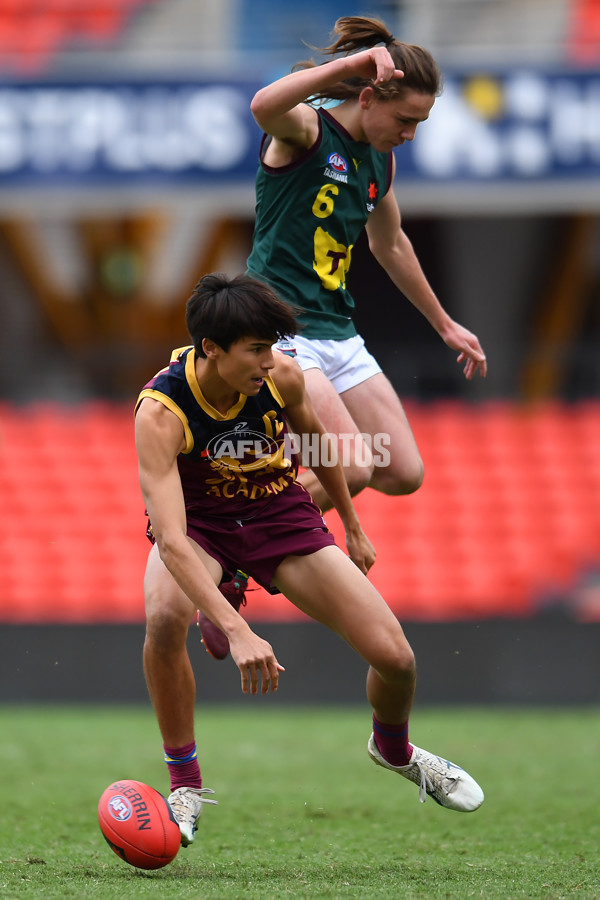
pixel 303 813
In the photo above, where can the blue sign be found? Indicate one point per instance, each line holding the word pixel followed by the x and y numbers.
pixel 524 125
pixel 82 133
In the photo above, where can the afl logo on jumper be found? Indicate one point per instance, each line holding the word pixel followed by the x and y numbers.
pixel 337 162
pixel 241 450
pixel 337 167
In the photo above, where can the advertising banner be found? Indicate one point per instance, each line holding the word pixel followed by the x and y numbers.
pixel 523 125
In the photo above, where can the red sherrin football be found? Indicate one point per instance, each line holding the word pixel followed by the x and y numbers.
pixel 138 824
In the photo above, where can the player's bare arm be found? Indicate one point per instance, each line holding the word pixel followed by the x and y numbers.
pixel 159 439
pixel 393 250
pixel 302 419
pixel 279 108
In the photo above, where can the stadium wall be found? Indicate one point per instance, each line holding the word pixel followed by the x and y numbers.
pixel 544 662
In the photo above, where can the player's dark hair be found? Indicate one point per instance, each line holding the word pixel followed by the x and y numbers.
pixel 225 310
pixel 353 33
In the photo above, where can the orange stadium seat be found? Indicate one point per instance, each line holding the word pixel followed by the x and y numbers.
pixel 583 41
pixel 509 514
pixel 32 31
pixel 60 501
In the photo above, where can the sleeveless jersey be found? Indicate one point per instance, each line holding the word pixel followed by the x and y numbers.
pixel 234 462
pixel 309 216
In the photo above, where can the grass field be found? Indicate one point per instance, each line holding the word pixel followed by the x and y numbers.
pixel 303 812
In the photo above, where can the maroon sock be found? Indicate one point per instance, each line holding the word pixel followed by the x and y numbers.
pixel 392 742
pixel 182 763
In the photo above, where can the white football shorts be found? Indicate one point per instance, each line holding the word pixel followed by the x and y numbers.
pixel 345 363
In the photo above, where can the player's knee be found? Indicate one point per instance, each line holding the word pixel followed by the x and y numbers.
pixel 400 667
pixel 405 664
pixel 358 478
pixel 166 623
pixel 396 481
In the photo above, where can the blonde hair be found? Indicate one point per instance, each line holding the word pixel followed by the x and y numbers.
pixel 354 33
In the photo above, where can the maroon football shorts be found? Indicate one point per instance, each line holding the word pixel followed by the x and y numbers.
pixel 290 524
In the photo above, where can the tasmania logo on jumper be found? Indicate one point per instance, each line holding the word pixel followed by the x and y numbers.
pixel 336 168
pixel 243 450
pixel 372 192
pixel 120 808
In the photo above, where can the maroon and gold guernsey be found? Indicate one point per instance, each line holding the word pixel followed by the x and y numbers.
pixel 234 462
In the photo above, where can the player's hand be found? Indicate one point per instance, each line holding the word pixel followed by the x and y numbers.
pixel 375 63
pixel 470 350
pixel 256 661
pixel 360 549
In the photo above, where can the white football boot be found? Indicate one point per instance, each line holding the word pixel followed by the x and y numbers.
pixel 186 803
pixel 448 784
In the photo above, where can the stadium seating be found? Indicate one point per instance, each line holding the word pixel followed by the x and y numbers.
pixel 507 520
pixel 583 41
pixel 31 31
